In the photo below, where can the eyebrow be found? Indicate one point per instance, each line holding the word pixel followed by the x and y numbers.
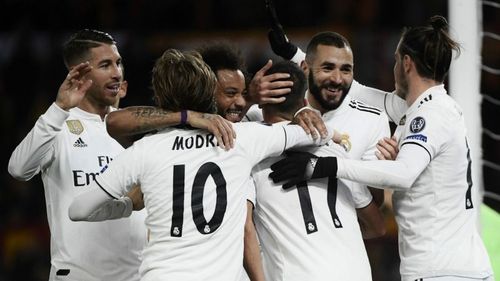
pixel 332 64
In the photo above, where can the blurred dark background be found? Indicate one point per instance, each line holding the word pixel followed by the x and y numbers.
pixel 31 70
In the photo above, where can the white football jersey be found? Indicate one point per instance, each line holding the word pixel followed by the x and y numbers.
pixel 311 232
pixel 436 217
pixel 70 150
pixel 433 187
pixel 195 195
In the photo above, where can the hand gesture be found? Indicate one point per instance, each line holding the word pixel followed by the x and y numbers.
pixel 277 37
pixel 135 194
pixel 216 124
pixel 269 88
pixel 387 149
pixel 310 120
pixel 74 87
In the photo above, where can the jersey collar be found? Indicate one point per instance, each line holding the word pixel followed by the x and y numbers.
pixel 426 96
pixel 82 114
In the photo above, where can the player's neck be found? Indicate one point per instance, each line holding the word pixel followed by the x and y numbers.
pixel 314 103
pixel 94 107
pixel 417 86
pixel 273 117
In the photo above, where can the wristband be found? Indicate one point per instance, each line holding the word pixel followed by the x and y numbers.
pixel 184 116
pixel 301 109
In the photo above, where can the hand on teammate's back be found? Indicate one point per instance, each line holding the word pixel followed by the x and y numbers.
pixel 217 125
pixel 135 194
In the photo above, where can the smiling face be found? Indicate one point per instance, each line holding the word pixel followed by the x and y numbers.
pixel 106 75
pixel 230 94
pixel 330 74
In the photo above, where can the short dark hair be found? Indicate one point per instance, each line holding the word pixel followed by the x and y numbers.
pixel 76 49
pixel 181 80
pixel 222 55
pixel 431 48
pixel 294 99
pixel 328 38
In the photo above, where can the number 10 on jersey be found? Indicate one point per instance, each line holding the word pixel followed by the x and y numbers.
pixel 204 227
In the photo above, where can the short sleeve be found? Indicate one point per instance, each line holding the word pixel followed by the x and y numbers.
pixel 360 194
pixel 251 192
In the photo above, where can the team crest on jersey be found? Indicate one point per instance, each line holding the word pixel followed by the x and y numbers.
pixel 417 124
pixel 74 126
pixel 345 142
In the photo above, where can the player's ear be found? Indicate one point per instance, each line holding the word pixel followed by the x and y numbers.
pixel 305 67
pixel 407 63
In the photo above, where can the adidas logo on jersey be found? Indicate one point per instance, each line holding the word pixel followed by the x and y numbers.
pixel 79 143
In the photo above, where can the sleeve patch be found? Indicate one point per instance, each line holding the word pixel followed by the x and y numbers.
pixel 419 137
pixel 417 124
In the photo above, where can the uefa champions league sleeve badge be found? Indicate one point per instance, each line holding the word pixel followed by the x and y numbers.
pixel 417 124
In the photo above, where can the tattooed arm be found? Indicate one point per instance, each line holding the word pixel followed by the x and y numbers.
pixel 139 120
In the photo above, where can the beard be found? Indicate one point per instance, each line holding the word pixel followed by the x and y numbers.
pixel 401 84
pixel 315 90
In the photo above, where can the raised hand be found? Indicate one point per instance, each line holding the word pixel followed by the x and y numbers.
pixel 74 87
pixel 269 88
pixel 276 35
pixel 216 124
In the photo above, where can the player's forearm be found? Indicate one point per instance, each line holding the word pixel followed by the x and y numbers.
pixel 29 155
pixel 371 221
pixel 251 254
pixel 139 120
pixel 399 174
pixel 96 205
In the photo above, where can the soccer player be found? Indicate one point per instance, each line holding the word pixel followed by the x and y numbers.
pixel 312 232
pixel 194 193
pixel 69 146
pixel 431 176
pixel 231 95
pixel 393 105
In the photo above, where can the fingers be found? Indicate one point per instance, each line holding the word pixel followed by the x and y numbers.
pixel 223 131
pixel 228 134
pixel 272 100
pixel 78 71
pixel 220 135
pixel 387 149
pixel 319 125
pixel 263 70
pixel 84 86
pixel 311 122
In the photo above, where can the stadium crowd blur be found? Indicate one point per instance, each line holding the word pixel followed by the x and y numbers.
pixel 31 70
